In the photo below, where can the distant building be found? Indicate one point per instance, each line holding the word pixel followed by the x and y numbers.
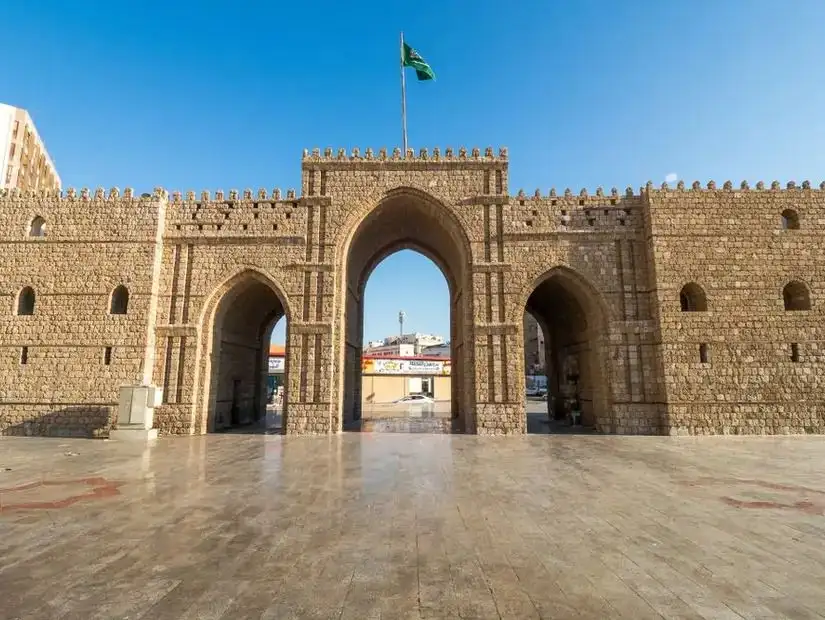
pixel 24 161
pixel 534 349
pixel 405 345
pixel 386 379
pixel 391 350
pixel 437 350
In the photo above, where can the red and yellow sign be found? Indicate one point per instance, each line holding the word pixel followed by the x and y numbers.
pixel 402 366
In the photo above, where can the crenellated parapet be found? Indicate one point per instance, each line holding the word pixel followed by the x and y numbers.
pixel 233 196
pixel 83 194
pixel 227 214
pixel 729 186
pixel 384 156
pixel 584 196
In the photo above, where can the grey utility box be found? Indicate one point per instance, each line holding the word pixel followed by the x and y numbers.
pixel 136 406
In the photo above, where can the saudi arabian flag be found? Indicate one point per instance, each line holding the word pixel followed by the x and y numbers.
pixel 413 59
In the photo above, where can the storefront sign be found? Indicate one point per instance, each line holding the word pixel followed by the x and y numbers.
pixel 405 367
pixel 276 365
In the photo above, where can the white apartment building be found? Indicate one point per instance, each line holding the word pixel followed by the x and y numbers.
pixel 391 350
pixel 24 161
pixel 405 345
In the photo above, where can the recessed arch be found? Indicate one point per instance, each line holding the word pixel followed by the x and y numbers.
pixel 406 218
pixel 25 301
pixel 405 244
pixel 789 220
pixel 795 296
pixel 692 298
pixel 37 227
pixel 574 319
pixel 237 321
pixel 119 300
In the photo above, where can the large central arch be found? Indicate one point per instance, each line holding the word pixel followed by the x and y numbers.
pixel 407 218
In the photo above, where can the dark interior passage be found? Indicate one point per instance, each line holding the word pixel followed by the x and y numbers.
pixel 571 324
pixel 240 357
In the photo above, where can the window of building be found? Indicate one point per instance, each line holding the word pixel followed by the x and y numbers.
pixel 119 303
pixel 12 149
pixel 692 298
pixel 790 220
pixel 794 352
pixel 107 356
pixel 796 297
pixel 24 355
pixel 37 228
pixel 8 174
pixel 25 302
pixel 704 353
pixel 16 129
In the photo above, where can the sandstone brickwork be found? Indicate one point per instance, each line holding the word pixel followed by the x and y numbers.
pixel 663 310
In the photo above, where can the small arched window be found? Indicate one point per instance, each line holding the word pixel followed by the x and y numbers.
pixel 790 220
pixel 37 228
pixel 796 296
pixel 25 302
pixel 692 298
pixel 119 303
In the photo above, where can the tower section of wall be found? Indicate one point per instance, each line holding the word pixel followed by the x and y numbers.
pixel 735 360
pixel 64 357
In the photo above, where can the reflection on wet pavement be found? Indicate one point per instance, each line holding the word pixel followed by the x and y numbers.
pixel 380 525
pixel 434 417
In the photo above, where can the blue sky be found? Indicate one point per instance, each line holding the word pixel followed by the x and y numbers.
pixel 200 94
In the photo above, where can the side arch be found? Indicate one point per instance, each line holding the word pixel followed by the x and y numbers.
pixel 217 304
pixel 575 318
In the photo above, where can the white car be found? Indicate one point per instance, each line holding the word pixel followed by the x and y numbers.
pixel 414 399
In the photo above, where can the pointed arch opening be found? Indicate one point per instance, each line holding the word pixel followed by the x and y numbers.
pixel 789 220
pixel 796 297
pixel 408 219
pixel 241 383
pixel 572 321
pixel 25 301
pixel 692 298
pixel 119 300
pixel 37 227
pixel 406 343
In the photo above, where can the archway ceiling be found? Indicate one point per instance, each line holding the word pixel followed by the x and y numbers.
pixel 405 221
pixel 247 310
pixel 557 306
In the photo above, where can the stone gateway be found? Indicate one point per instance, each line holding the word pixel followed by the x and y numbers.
pixel 672 310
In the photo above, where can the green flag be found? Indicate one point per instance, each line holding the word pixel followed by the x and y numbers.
pixel 413 59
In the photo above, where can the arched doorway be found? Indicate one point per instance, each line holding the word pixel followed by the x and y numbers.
pixel 239 321
pixel 408 219
pixel 572 318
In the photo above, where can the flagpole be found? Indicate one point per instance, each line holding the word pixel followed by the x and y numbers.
pixel 403 98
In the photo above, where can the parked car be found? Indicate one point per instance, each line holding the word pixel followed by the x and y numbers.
pixel 415 399
pixel 535 392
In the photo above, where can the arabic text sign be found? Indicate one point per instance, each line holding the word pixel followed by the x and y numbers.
pixel 405 367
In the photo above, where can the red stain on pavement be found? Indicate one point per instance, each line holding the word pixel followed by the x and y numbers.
pixel 99 488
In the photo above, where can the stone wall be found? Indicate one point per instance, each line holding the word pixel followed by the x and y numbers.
pixel 595 246
pixel 732 244
pixel 91 245
pixel 601 272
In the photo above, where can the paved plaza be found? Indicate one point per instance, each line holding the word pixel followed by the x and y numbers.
pixel 386 525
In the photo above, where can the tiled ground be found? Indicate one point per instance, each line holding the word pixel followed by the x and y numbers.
pixel 364 525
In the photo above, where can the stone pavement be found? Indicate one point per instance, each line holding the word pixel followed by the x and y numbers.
pixel 365 525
